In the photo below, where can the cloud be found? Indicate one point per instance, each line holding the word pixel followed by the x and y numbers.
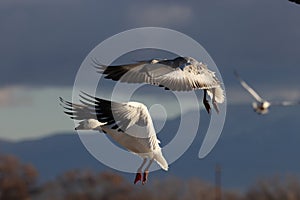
pixel 160 14
pixel 33 112
pixel 5 96
pixel 13 96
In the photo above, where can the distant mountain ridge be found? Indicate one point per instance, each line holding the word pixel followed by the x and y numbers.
pixel 250 147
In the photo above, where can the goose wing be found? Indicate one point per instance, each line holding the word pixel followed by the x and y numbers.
pixel 286 103
pixel 130 117
pixel 177 74
pixel 248 88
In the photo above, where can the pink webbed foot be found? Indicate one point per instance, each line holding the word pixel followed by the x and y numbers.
pixel 138 177
pixel 145 177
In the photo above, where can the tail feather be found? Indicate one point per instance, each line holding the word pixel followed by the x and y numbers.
pixel 219 94
pixel 161 161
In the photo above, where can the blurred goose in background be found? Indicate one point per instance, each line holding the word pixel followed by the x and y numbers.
pixel 179 74
pixel 129 124
pixel 261 106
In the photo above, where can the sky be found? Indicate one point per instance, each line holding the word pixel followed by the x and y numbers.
pixel 43 44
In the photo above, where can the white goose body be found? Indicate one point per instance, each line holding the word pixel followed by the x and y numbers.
pixel 129 124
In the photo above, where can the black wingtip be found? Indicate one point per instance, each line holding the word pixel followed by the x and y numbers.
pixel 61 100
pixel 86 94
pixel 235 73
pixel 93 99
pixel 64 103
pixel 69 113
pixel 98 65
pixel 87 97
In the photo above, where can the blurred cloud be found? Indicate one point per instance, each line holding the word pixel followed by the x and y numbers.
pixel 14 96
pixel 41 117
pixel 35 112
pixel 5 96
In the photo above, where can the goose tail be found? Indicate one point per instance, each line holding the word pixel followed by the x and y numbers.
pixel 219 94
pixel 159 158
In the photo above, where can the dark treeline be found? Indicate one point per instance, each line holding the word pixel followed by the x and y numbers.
pixel 18 181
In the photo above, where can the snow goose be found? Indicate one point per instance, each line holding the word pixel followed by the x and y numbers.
pixel 179 74
pixel 129 124
pixel 261 106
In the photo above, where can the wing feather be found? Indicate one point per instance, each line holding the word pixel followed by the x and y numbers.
pixel 176 74
pixel 130 117
pixel 286 103
pixel 248 88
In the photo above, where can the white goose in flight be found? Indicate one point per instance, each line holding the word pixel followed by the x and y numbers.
pixel 179 74
pixel 261 106
pixel 129 124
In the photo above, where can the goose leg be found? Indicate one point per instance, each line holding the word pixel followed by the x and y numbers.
pixel 205 101
pixel 214 102
pixel 146 172
pixel 138 176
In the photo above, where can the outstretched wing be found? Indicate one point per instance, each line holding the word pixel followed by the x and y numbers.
pixel 177 74
pixel 77 111
pixel 120 116
pixel 286 103
pixel 189 78
pixel 140 72
pixel 248 88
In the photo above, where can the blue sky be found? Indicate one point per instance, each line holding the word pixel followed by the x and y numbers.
pixel 43 44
